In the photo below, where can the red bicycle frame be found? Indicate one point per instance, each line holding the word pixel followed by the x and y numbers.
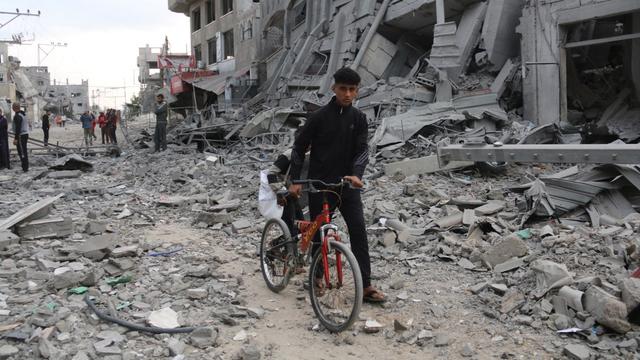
pixel 309 229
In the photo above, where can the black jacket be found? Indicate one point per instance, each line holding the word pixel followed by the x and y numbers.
pixel 338 139
pixel 45 121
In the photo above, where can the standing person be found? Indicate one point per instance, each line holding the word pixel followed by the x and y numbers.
pixel 102 123
pixel 337 134
pixel 4 142
pixel 93 126
pixel 85 118
pixel 45 126
pixel 21 131
pixel 112 121
pixel 160 135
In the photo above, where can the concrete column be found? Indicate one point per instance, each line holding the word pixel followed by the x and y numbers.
pixel 372 31
pixel 335 54
pixel 440 11
pixel 286 29
pixel 635 54
pixel 308 23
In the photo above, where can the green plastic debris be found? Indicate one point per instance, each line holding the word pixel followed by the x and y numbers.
pixel 79 290
pixel 123 305
pixel 52 306
pixel 119 280
pixel 524 234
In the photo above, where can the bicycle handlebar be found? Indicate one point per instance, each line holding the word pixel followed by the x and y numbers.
pixel 320 182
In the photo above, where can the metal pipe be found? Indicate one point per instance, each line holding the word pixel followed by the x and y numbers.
pixel 369 37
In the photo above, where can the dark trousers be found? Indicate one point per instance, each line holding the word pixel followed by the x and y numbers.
pixel 112 135
pixel 22 151
pixel 4 154
pixel 105 135
pixel 352 212
pixel 160 136
pixel 45 130
pixel 290 213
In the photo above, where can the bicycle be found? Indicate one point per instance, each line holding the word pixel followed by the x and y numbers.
pixel 335 282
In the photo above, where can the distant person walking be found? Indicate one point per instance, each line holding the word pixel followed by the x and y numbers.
pixel 21 131
pixel 102 124
pixel 46 124
pixel 160 136
pixel 85 118
pixel 4 142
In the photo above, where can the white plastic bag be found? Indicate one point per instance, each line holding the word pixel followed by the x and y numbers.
pixel 267 199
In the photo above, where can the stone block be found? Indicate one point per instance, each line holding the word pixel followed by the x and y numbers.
pixel 511 246
pixel 630 293
pixel 606 309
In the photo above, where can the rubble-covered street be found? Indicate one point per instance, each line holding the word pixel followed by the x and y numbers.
pixel 501 197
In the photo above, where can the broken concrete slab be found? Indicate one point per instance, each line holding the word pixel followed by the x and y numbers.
pixel 34 211
pixel 577 352
pixel 45 228
pixel 164 318
pixel 449 221
pixel 499 31
pixel 423 165
pixel 64 174
pixel 240 225
pixel 490 208
pixel 511 264
pixel 72 162
pixel 631 292
pixel 606 309
pixel 97 247
pixel 549 275
pixel 8 238
pixel 511 246
pixel 95 227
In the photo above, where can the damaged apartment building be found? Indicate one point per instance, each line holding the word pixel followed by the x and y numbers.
pixel 572 63
pixel 31 85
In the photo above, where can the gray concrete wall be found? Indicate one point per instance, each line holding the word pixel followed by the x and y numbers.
pixel 243 12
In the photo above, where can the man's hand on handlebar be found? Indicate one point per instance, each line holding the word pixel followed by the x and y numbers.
pixel 295 190
pixel 355 181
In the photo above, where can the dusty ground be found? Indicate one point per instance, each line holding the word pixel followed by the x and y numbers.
pixel 437 295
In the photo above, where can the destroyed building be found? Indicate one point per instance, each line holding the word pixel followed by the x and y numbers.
pixel 69 99
pixel 223 42
pixel 563 62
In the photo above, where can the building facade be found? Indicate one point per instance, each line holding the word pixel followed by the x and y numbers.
pixel 223 40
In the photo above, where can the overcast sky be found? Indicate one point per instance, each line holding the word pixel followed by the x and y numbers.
pixel 103 38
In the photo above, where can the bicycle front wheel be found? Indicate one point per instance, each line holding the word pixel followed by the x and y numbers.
pixel 336 302
pixel 276 254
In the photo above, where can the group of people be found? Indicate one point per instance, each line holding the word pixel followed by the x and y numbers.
pixel 106 121
pixel 21 129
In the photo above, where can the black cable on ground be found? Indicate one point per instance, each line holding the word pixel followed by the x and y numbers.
pixel 132 326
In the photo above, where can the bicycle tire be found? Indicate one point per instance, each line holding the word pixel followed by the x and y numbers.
pixel 273 256
pixel 321 303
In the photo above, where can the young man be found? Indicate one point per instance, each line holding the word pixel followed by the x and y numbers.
pixel 160 135
pixel 45 127
pixel 21 131
pixel 86 120
pixel 337 134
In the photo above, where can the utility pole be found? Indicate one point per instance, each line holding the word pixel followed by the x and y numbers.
pixel 50 47
pixel 16 15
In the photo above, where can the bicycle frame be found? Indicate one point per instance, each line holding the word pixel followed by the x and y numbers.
pixel 308 230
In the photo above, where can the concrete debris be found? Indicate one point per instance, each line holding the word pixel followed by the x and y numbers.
pixel 164 318
pixel 513 251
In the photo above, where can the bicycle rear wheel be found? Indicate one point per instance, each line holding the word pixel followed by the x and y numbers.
pixel 276 255
pixel 338 304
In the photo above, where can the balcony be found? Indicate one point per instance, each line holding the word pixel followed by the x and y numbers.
pixel 180 6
